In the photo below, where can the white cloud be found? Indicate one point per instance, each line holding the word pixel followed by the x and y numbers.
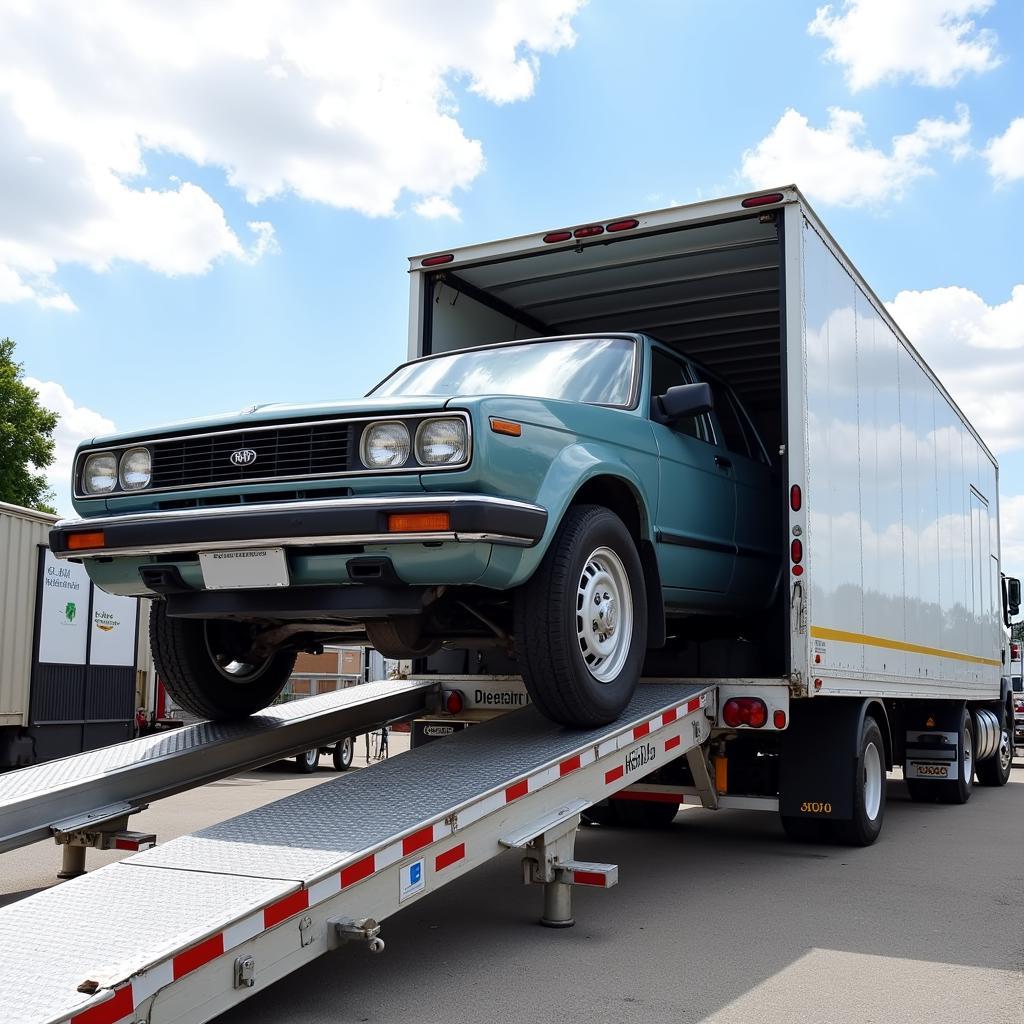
pixel 435 207
pixel 835 165
pixel 1005 153
pixel 75 423
pixel 335 101
pixel 932 42
pixel 1011 528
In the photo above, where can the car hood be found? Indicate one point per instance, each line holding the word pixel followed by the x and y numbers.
pixel 280 413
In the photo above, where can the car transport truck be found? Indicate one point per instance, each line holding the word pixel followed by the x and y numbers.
pixel 687 444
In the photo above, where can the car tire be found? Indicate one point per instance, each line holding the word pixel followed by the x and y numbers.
pixel 995 770
pixel 868 790
pixel 344 751
pixel 307 762
pixel 581 671
pixel 958 790
pixel 202 673
pixel 651 814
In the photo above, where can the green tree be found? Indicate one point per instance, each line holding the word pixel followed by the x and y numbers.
pixel 26 437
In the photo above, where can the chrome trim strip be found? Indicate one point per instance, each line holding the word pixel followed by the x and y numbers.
pixel 380 501
pixel 363 471
pixel 366 539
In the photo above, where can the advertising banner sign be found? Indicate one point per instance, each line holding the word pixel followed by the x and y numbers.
pixel 64 612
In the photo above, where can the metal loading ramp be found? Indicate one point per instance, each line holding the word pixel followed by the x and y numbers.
pixel 183 932
pixel 85 790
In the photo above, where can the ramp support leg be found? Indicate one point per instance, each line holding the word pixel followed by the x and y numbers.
pixel 697 759
pixel 72 863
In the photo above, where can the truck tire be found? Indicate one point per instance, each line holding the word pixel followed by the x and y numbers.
pixel 645 813
pixel 581 670
pixel 958 790
pixel 868 790
pixel 194 658
pixel 995 770
pixel 344 750
pixel 307 762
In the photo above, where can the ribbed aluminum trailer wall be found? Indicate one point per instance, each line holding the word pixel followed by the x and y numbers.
pixel 22 532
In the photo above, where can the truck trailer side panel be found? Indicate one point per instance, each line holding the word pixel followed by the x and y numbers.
pixel 901 567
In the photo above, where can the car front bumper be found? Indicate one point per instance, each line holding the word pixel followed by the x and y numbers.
pixel 367 521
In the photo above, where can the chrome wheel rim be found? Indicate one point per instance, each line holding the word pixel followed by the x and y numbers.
pixel 1004 750
pixel 968 761
pixel 229 667
pixel 604 614
pixel 347 748
pixel 872 781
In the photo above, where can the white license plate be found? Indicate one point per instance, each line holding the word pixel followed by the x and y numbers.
pixel 242 570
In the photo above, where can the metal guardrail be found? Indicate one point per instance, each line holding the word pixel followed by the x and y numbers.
pixel 37 802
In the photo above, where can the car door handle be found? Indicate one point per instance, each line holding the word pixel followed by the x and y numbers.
pixel 722 462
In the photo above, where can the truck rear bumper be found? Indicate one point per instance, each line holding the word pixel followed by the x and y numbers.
pixel 364 520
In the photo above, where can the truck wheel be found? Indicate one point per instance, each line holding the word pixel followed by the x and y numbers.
pixel 399 638
pixel 995 771
pixel 307 762
pixel 868 790
pixel 581 621
pixel 958 790
pixel 343 753
pixel 645 813
pixel 203 665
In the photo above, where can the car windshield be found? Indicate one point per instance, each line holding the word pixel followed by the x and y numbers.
pixel 596 371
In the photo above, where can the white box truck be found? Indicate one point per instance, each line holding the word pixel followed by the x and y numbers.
pixel 887 645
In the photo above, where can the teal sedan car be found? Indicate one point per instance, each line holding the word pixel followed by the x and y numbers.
pixel 560 498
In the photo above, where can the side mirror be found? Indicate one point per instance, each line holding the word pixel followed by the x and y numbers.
pixel 686 400
pixel 1011 598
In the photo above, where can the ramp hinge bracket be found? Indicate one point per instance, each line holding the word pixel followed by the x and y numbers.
pixel 345 929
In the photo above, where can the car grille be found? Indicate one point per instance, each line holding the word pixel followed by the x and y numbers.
pixel 316 449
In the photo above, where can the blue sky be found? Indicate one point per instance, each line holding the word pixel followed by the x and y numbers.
pixel 138 293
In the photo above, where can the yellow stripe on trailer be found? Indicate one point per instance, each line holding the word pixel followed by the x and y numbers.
pixel 823 633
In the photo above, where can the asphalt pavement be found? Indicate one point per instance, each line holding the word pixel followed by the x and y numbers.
pixel 717 919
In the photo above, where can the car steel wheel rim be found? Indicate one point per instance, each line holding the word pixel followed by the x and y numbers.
pixel 1004 750
pixel 872 781
pixel 312 757
pixel 229 667
pixel 346 750
pixel 604 614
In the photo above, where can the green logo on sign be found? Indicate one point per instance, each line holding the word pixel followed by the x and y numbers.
pixel 69 611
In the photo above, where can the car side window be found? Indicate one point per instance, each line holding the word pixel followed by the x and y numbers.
pixel 734 433
pixel 666 373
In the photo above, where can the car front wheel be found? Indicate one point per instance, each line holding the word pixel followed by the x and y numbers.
pixel 581 621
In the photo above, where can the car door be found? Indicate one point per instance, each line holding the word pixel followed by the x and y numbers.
pixel 696 514
pixel 758 552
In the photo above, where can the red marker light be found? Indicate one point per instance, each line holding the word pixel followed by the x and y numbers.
pixel 796 551
pixel 750 711
pixel 454 702
pixel 558 236
pixel 588 231
pixel 795 498
pixel 798 570
pixel 435 261
pixel 623 225
pixel 765 200
pixel 779 719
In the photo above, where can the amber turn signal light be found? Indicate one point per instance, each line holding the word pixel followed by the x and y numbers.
pixel 418 522
pixel 84 541
pixel 506 427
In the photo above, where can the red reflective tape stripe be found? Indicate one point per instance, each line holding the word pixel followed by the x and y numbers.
pixel 693 705
pixel 570 764
pixel 613 775
pixel 121 1006
pixel 198 955
pixel 515 791
pixel 456 853
pixel 358 871
pixel 673 741
pixel 283 909
pixel 670 716
pixel 410 844
pixel 641 730
pixel 589 878
pixel 661 798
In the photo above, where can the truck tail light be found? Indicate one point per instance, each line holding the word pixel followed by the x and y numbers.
pixel 454 702
pixel 796 499
pixel 765 200
pixel 750 711
pixel 623 225
pixel 436 261
pixel 796 551
pixel 779 719
pixel 1014 651
pixel 589 231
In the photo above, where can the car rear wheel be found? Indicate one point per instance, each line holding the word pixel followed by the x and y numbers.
pixel 206 668
pixel 307 762
pixel 581 621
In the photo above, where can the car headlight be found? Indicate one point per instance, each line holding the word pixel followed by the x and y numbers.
pixel 99 474
pixel 442 442
pixel 385 445
pixel 136 469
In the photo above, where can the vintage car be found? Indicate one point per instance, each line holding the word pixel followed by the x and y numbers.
pixel 561 498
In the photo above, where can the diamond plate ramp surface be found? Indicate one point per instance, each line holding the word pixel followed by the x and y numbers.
pixel 301 837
